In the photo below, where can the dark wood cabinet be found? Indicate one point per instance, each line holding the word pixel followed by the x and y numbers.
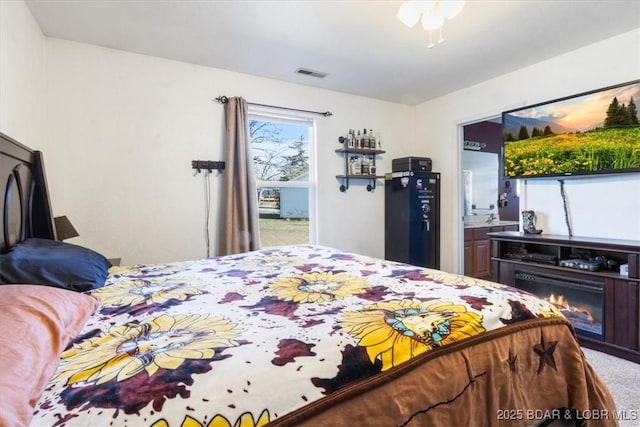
pixel 591 269
pixel 468 253
pixel 482 257
pixel 477 250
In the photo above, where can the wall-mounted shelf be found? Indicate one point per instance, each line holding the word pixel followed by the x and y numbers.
pixel 348 175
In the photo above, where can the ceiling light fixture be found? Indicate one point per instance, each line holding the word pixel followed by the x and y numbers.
pixel 433 13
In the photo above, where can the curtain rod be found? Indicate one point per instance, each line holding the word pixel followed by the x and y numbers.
pixel 223 100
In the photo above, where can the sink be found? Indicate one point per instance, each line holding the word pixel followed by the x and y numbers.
pixel 476 219
pixel 481 221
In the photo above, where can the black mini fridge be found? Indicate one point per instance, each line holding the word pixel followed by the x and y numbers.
pixel 412 218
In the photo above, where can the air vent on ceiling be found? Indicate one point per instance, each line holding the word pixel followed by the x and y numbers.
pixel 308 72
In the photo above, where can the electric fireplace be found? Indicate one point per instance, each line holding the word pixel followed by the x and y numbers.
pixel 581 301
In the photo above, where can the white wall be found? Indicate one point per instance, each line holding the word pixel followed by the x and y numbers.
pixel 119 131
pixel 21 74
pixel 122 130
pixel 597 207
pixel 600 207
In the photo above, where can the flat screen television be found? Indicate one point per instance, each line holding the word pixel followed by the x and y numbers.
pixel 596 132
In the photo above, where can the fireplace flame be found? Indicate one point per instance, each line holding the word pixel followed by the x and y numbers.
pixel 563 304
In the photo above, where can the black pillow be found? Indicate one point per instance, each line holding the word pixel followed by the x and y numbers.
pixel 49 262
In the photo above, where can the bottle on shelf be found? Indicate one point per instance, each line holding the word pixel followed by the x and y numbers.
pixel 365 139
pixel 357 166
pixel 365 166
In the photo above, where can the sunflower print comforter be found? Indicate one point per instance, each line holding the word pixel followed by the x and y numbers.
pixel 246 340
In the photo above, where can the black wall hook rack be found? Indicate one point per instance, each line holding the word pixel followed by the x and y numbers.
pixel 209 165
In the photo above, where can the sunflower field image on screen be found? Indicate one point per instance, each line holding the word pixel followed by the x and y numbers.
pixel 592 133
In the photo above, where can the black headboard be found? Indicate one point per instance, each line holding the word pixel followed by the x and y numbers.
pixel 26 208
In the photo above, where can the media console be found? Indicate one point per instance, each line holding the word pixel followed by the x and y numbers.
pixel 582 277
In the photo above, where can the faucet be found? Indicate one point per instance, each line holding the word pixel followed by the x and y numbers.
pixel 491 218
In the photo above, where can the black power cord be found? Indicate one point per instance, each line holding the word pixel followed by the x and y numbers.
pixel 564 204
pixel 207 208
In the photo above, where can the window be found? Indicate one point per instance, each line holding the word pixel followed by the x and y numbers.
pixel 283 155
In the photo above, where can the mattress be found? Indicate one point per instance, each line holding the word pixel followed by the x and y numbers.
pixel 307 335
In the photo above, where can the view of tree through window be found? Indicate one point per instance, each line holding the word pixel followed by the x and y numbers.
pixel 281 156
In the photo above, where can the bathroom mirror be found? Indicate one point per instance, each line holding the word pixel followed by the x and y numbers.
pixel 481 182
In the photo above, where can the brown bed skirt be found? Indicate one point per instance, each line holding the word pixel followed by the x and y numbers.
pixel 518 375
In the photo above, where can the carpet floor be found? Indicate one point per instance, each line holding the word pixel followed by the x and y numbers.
pixel 623 379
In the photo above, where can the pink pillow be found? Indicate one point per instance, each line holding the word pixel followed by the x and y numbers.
pixel 36 324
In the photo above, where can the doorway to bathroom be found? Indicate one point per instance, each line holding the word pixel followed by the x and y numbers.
pixel 490 202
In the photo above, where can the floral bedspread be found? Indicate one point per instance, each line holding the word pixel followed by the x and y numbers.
pixel 242 340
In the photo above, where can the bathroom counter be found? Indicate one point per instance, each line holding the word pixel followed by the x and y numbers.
pixel 499 223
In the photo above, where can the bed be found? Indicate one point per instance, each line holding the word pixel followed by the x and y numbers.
pixel 301 335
